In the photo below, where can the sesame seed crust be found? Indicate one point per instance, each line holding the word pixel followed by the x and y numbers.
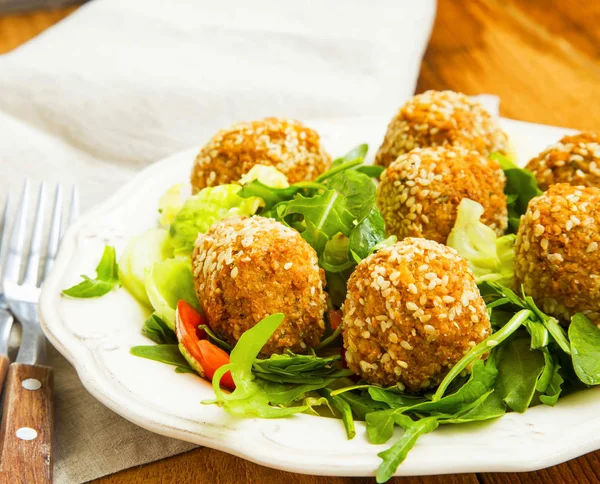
pixel 556 253
pixel 574 160
pixel 288 145
pixel 419 193
pixel 393 334
pixel 248 268
pixel 439 118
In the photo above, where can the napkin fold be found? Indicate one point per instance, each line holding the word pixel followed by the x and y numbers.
pixel 118 85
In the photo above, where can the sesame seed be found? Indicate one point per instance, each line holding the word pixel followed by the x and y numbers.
pixel 287 266
pixel 406 345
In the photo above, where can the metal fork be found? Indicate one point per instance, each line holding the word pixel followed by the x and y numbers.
pixel 28 416
pixel 6 319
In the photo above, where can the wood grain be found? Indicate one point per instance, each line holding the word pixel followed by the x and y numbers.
pixel 544 64
pixel 542 58
pixel 27 461
pixel 19 28
pixel 212 466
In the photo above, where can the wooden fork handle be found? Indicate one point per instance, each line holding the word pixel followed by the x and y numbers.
pixel 27 425
pixel 4 364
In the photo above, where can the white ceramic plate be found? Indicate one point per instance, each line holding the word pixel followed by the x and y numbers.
pixel 95 336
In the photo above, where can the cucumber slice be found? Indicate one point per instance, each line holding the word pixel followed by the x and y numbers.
pixel 138 258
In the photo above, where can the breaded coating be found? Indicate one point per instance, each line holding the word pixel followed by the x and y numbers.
pixel 574 160
pixel 412 311
pixel 419 193
pixel 556 254
pixel 440 118
pixel 288 145
pixel 248 268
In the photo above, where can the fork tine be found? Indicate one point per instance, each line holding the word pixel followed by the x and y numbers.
pixel 12 267
pixel 4 223
pixel 54 235
pixel 35 248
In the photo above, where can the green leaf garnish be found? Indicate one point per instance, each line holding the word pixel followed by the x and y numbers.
pixel 585 349
pixel 520 187
pixel 106 279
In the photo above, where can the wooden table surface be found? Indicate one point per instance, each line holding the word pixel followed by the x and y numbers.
pixel 542 58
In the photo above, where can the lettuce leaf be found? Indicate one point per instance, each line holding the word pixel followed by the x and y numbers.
pixel 200 211
pixel 491 258
pixel 168 282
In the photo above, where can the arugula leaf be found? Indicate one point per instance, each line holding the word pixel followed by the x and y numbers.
pixel 380 425
pixel 165 353
pixel 491 341
pixel 394 399
pixel 357 153
pixel 285 393
pixel 362 404
pixel 271 195
pixel 554 388
pixel 519 369
pixel 301 369
pixel 520 187
pixel 539 337
pixel 585 349
pixel 107 278
pixel 491 407
pixel 325 215
pixel 214 338
pixel 551 324
pixel 367 235
pixel 396 454
pixel 158 331
pixel 345 411
pixel 372 171
pixel 358 190
pixel 250 399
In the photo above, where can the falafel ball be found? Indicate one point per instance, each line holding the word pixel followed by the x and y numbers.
pixel 556 253
pixel 248 268
pixel 412 311
pixel 440 118
pixel 288 145
pixel 420 192
pixel 574 160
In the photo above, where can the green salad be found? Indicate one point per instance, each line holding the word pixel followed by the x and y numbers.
pixel 523 356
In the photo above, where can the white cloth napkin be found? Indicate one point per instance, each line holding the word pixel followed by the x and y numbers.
pixel 121 84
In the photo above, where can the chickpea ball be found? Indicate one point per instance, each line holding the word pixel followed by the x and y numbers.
pixel 248 268
pixel 574 160
pixel 288 145
pixel 411 313
pixel 556 254
pixel 441 118
pixel 420 192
